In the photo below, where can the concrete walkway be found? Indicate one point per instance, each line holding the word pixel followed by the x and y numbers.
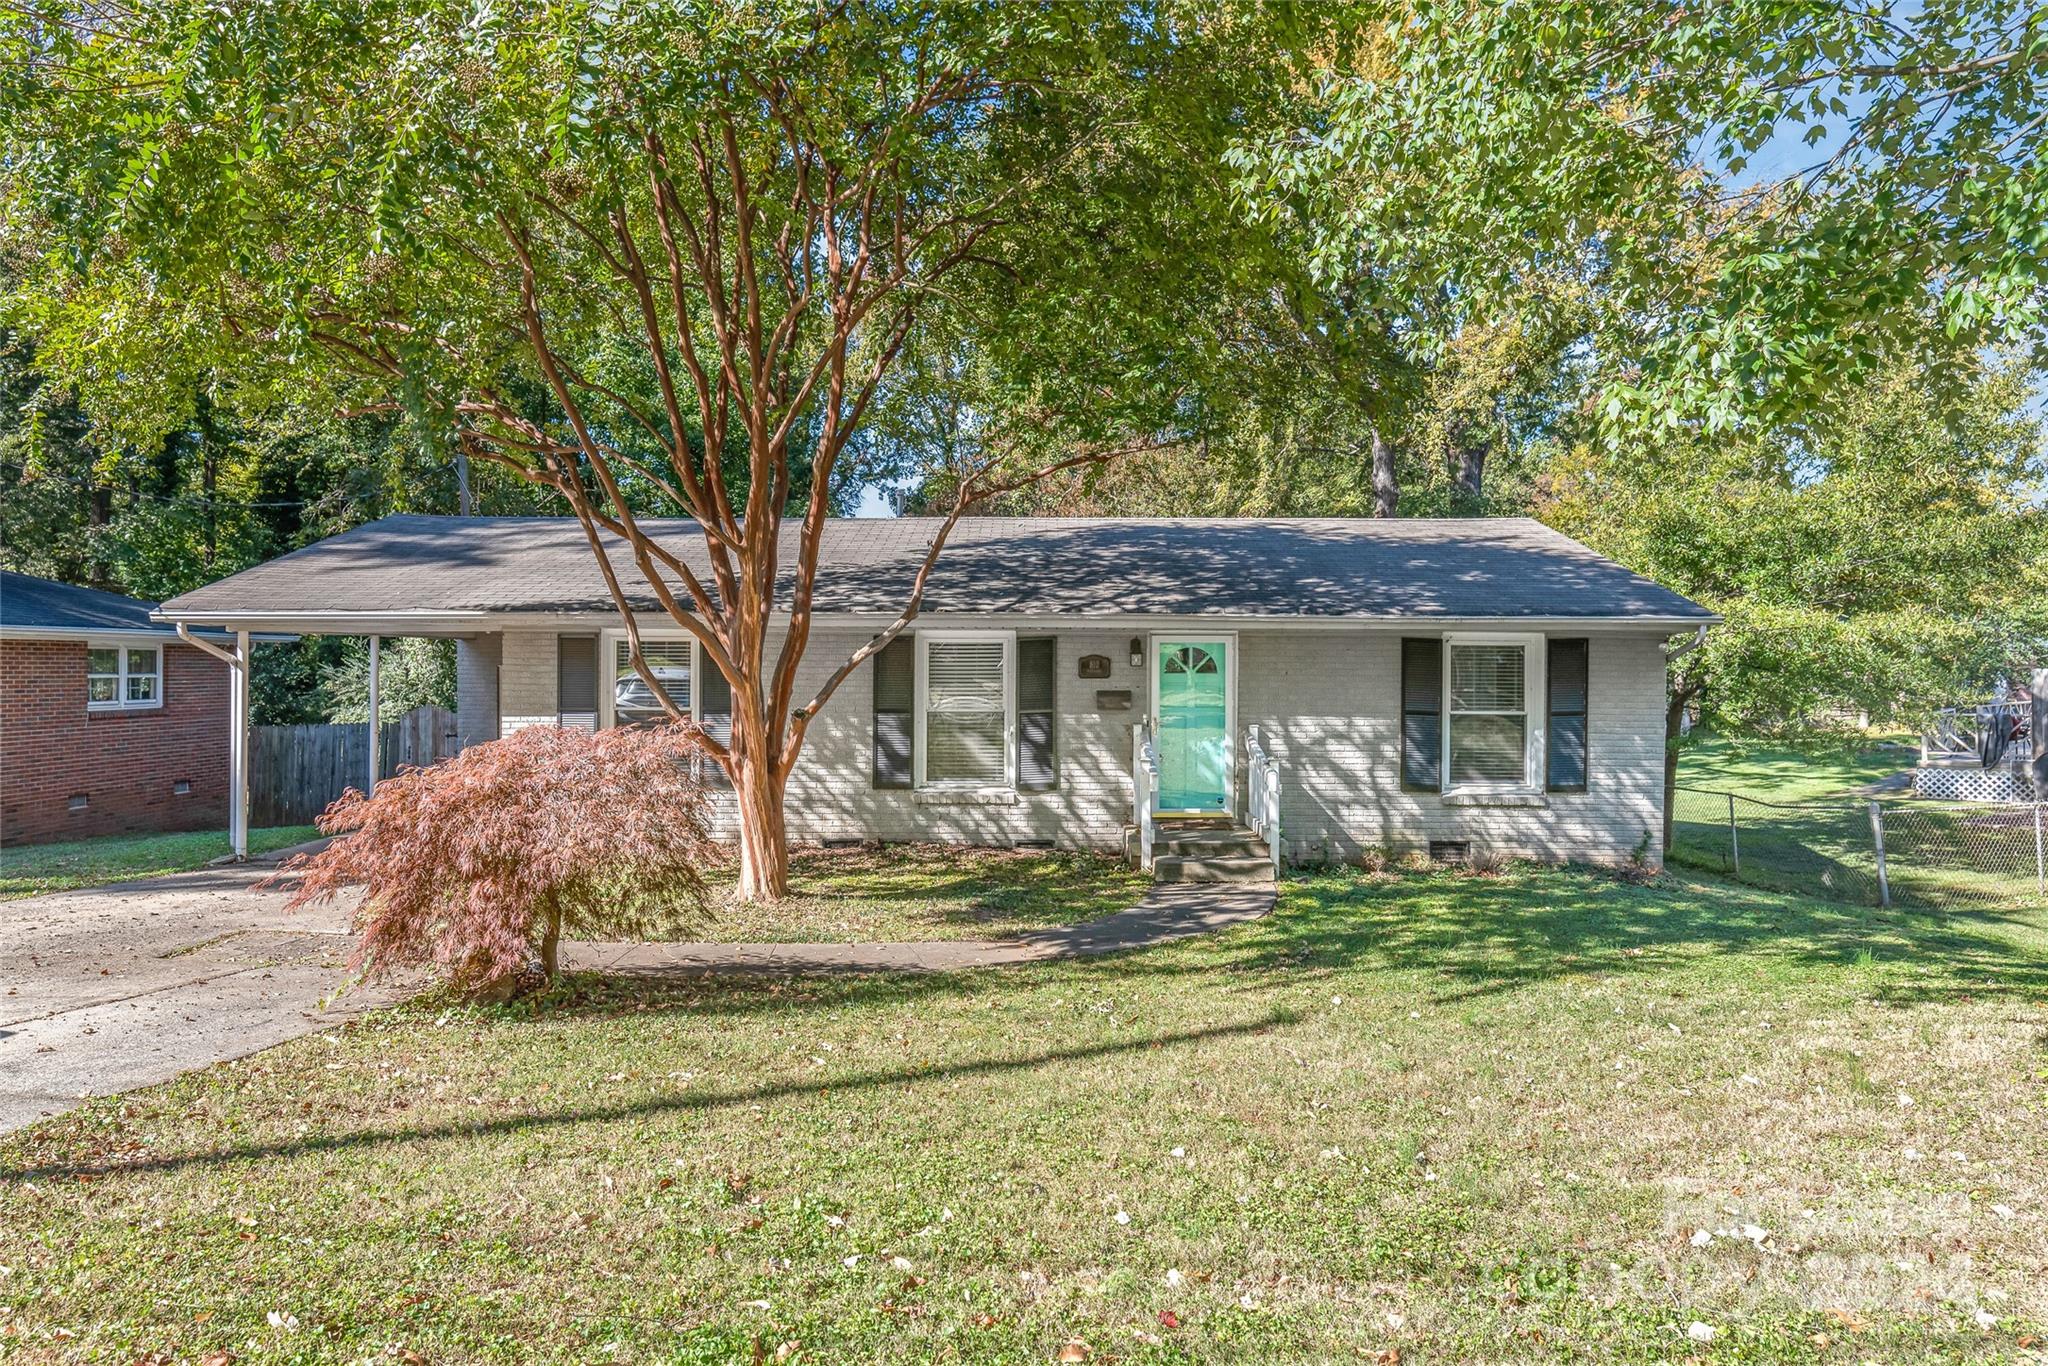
pixel 1169 911
pixel 106 989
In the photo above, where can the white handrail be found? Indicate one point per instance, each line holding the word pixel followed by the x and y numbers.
pixel 1957 731
pixel 1262 794
pixel 1144 783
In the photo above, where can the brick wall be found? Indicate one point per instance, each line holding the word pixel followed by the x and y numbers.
pixel 123 762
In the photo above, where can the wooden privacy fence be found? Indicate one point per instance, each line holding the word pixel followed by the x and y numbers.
pixel 295 771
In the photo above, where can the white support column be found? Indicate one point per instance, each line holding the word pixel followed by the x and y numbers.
pixel 238 746
pixel 376 728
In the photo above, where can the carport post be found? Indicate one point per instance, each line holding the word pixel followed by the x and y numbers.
pixel 238 747
pixel 376 649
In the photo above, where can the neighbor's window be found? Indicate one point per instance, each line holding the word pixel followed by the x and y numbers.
pixel 124 677
pixel 633 702
pixel 964 709
pixel 1487 739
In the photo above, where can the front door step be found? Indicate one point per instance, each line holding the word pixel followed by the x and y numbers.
pixel 1210 850
pixel 1216 868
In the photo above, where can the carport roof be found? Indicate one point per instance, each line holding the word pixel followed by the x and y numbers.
pixel 444 572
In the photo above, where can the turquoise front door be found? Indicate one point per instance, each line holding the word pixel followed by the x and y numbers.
pixel 1191 679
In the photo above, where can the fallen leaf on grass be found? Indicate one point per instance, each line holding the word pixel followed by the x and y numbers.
pixel 1075 1350
pixel 1168 1319
pixel 1847 1320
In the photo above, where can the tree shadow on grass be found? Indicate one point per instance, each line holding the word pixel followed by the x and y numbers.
pixel 1488 935
pixel 1477 937
pixel 699 1099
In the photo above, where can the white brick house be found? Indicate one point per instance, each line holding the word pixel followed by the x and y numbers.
pixel 1489 682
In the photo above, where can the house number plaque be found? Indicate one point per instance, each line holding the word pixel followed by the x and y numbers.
pixel 1094 666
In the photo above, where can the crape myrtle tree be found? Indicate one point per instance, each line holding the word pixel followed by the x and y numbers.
pixel 642 255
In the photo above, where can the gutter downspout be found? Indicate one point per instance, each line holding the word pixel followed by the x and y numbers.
pixel 238 733
pixel 1673 653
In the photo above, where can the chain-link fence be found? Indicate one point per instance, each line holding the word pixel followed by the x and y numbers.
pixel 1876 853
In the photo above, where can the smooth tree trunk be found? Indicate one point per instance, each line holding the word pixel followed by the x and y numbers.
pixel 1386 480
pixel 764 831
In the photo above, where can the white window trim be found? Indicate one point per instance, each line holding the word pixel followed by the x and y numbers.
pixel 608 671
pixel 1009 642
pixel 121 676
pixel 1534 748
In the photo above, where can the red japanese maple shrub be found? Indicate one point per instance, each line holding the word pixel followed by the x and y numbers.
pixel 478 866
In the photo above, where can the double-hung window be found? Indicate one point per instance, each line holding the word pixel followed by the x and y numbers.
pixel 1492 739
pixel 124 677
pixel 633 702
pixel 966 709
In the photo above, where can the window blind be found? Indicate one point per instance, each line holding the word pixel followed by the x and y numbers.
pixel 964 719
pixel 633 702
pixel 1488 720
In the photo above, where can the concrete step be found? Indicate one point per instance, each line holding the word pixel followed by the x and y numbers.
pixel 1208 842
pixel 1212 868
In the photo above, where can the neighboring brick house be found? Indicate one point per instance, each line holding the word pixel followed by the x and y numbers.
pixel 108 723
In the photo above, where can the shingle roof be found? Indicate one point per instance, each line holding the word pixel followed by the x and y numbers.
pixel 46 606
pixel 1319 568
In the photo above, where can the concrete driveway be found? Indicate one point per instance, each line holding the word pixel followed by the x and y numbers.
pixel 110 988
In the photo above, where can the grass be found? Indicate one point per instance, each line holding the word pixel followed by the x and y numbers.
pixel 1815 834
pixel 1777 773
pixel 26 870
pixel 927 891
pixel 1452 1117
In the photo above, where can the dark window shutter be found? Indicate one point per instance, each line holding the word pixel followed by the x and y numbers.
pixel 895 698
pixel 1038 763
pixel 714 713
pixel 1422 714
pixel 576 682
pixel 1568 672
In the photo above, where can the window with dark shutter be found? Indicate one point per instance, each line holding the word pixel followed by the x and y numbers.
pixel 1422 714
pixel 895 670
pixel 714 713
pixel 1569 672
pixel 576 682
pixel 1038 767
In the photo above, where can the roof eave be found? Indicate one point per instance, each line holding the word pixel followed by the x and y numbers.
pixel 479 622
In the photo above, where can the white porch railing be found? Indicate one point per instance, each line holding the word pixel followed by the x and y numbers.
pixel 1262 794
pixel 1144 787
pixel 1959 733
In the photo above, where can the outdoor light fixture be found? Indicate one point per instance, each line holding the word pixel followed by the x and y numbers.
pixel 1137 652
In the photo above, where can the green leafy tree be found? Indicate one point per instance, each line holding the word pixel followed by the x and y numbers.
pixel 633 255
pixel 1616 142
pixel 1885 559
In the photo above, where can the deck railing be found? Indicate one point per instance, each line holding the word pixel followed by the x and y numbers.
pixel 1959 733
pixel 1144 787
pixel 1262 794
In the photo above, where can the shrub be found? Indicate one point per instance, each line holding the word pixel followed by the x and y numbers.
pixel 478 866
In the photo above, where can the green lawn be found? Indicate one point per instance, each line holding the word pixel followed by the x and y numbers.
pixel 26 870
pixel 1776 773
pixel 927 891
pixel 1460 1118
